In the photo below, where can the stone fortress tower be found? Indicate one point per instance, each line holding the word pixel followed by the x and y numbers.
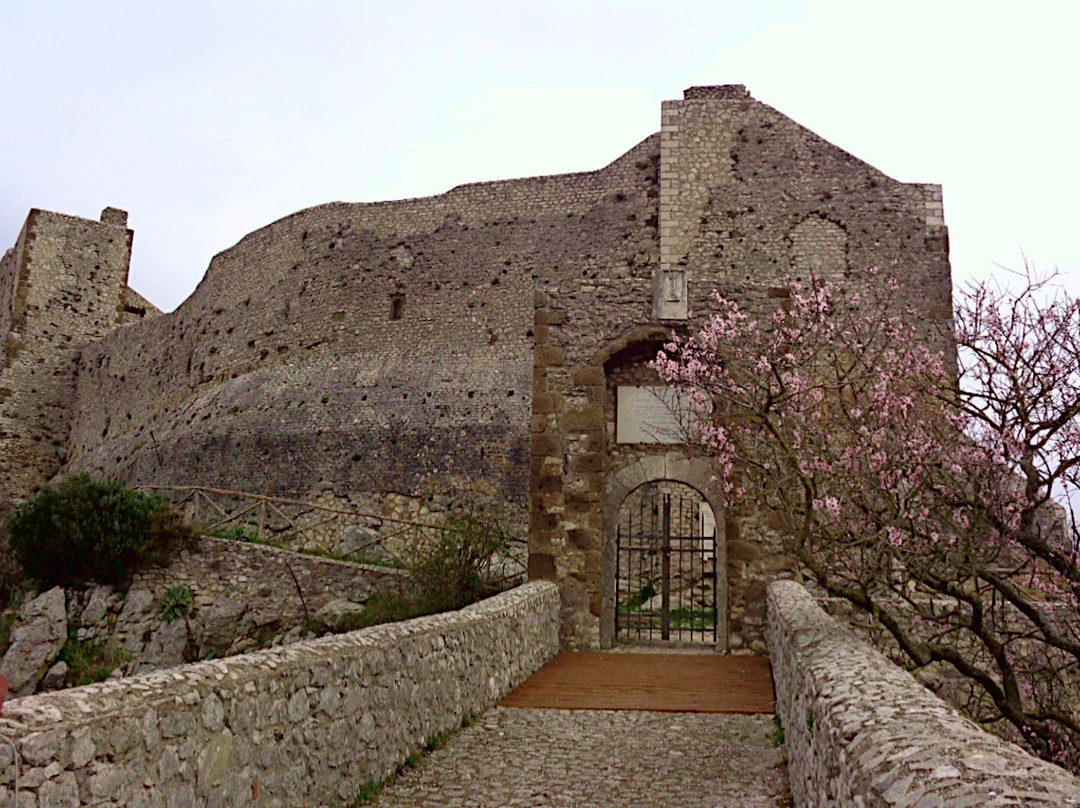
pixel 467 345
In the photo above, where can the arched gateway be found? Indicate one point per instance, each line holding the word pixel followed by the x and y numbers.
pixel 665 556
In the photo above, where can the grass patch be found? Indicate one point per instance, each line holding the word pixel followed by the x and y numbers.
pixel 438 741
pixel 367 793
pixel 242 533
pixel 777 738
pixel 90 661
pixel 410 763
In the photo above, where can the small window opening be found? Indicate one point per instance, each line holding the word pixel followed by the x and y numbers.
pixel 397 305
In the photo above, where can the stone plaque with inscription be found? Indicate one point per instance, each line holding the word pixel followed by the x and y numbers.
pixel 650 415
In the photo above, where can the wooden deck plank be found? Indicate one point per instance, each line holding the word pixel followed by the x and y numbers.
pixel 682 683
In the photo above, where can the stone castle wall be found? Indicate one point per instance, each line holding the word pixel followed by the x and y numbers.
pixel 307 723
pixel 859 731
pixel 62 286
pixel 744 198
pixel 471 345
pixel 356 350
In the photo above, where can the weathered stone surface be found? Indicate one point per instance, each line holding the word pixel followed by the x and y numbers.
pixel 592 759
pixel 54 677
pixel 338 612
pixel 859 731
pixel 221 624
pixel 36 641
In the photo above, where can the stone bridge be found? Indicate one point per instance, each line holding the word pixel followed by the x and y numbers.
pixel 317 722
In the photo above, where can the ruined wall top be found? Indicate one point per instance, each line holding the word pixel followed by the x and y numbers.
pixel 717 92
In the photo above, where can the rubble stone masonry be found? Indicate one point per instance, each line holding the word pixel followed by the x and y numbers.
pixel 470 345
pixel 304 724
pixel 859 731
pixel 62 286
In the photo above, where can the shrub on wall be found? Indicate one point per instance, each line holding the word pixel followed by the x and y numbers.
pixel 457 568
pixel 89 529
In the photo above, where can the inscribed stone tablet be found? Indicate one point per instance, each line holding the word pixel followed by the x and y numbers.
pixel 649 415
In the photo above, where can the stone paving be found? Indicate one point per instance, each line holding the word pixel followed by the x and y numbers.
pixel 592 758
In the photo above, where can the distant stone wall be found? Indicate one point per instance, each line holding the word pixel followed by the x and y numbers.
pixel 62 285
pixel 860 731
pixel 239 591
pixel 242 597
pixel 304 724
pixel 267 581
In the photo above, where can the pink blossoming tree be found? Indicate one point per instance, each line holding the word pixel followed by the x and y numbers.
pixel 921 484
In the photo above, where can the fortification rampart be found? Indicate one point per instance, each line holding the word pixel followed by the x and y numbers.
pixel 63 285
pixel 306 724
pixel 352 350
pixel 860 731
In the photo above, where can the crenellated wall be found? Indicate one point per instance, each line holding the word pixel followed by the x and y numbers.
pixel 304 724
pixel 859 731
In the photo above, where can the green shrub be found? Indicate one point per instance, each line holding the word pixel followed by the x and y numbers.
pixel 455 569
pixel 90 661
pixel 87 529
pixel 176 602
pixel 242 533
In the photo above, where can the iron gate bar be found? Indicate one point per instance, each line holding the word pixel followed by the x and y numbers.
pixel 665 587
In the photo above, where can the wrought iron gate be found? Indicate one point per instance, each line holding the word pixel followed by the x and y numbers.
pixel 665 572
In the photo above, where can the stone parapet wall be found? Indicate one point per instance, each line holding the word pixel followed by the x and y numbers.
pixel 304 724
pixel 860 731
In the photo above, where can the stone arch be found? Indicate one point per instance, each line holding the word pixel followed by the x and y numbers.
pixel 674 465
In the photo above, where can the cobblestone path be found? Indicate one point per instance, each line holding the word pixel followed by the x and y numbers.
pixel 588 759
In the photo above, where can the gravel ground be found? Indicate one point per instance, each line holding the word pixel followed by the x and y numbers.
pixel 582 758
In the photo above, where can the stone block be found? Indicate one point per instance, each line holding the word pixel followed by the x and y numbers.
pixel 550 317
pixel 549 356
pixel 588 376
pixel 587 463
pixel 541 567
pixel 590 419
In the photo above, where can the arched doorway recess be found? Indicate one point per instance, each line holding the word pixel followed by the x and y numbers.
pixel 665 566
pixel 665 555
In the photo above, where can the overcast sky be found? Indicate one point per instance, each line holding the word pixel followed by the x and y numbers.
pixel 208 120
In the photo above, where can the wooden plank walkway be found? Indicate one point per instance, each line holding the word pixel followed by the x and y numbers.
pixel 676 683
